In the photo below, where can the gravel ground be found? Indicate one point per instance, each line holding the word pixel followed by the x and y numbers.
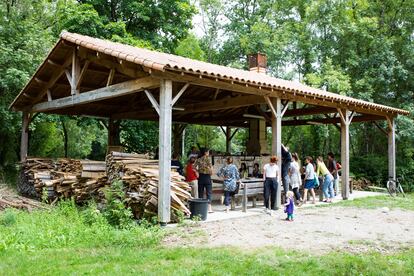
pixel 317 230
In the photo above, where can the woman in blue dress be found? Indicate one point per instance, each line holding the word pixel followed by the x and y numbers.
pixel 231 176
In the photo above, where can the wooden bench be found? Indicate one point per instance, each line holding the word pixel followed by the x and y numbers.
pixel 251 188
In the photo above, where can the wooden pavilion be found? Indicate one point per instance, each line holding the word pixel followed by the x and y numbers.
pixel 87 76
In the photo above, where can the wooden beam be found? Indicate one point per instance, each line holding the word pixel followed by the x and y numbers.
pixel 234 133
pixel 110 63
pixel 380 128
pixel 232 85
pixel 180 93
pixel 175 99
pixel 216 93
pixel 309 111
pixel 223 130
pixel 165 122
pixel 76 70
pixel 345 114
pixel 153 101
pixel 110 77
pixel 262 113
pixel 55 76
pixel 286 105
pixel 391 149
pixel 227 103
pixel 24 142
pixel 49 95
pixel 82 74
pixel 272 108
pixel 116 90
pixel 361 118
pixel 276 106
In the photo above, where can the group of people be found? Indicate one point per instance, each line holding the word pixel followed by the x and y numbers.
pixel 291 176
pixel 199 170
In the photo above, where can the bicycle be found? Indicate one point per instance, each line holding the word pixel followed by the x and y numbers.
pixel 394 187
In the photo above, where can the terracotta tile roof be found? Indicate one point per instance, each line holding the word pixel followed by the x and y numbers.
pixel 162 61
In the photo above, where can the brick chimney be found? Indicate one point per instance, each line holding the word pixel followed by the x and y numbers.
pixel 258 63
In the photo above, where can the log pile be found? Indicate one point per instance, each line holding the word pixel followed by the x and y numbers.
pixel 85 180
pixel 62 178
pixel 8 199
pixel 361 184
pixel 140 177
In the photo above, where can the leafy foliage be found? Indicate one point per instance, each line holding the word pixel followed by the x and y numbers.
pixel 115 210
pixel 357 48
pixel 67 226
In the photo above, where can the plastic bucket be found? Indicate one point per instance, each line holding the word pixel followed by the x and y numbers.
pixel 198 208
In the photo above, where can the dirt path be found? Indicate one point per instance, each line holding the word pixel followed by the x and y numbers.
pixel 317 230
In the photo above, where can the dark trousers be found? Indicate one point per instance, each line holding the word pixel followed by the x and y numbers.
pixel 270 190
pixel 204 183
pixel 227 197
pixel 297 193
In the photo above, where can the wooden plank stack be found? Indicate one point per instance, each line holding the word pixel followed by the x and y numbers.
pixel 62 178
pixel 140 177
pixel 84 180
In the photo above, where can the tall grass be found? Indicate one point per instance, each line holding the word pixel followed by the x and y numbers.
pixel 67 226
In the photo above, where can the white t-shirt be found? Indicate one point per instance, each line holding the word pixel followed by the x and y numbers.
pixel 310 171
pixel 271 170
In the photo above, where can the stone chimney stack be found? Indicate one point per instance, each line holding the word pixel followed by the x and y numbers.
pixel 257 143
pixel 258 63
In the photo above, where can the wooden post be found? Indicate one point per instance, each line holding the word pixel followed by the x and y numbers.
pixel 276 107
pixel 244 202
pixel 75 73
pixel 178 130
pixel 391 148
pixel 228 140
pixel 345 122
pixel 24 143
pixel 165 122
pixel 113 133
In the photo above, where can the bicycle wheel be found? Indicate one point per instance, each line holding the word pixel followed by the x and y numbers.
pixel 400 190
pixel 392 188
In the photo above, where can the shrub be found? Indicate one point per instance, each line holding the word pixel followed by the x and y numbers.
pixel 8 218
pixel 115 210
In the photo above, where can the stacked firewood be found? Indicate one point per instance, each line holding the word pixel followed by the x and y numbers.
pixel 140 177
pixel 62 178
pixel 85 180
pixel 361 184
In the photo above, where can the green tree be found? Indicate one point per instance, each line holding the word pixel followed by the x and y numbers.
pixel 163 23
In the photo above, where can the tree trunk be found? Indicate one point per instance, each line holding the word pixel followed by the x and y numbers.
pixel 65 137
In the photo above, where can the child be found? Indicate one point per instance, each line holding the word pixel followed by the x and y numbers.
pixel 289 206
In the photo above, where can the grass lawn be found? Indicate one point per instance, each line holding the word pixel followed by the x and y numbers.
pixel 405 203
pixel 182 261
pixel 68 241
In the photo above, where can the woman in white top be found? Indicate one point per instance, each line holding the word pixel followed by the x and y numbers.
pixel 295 179
pixel 309 179
pixel 271 176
